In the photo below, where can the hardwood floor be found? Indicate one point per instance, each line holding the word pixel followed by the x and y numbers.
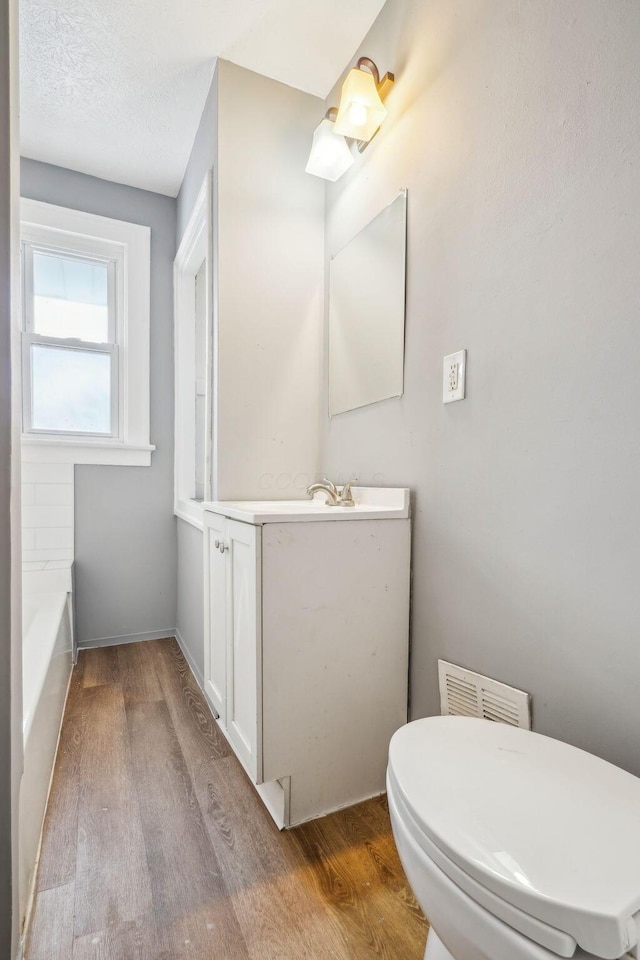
pixel 156 846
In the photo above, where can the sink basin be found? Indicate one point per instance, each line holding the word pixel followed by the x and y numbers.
pixel 372 503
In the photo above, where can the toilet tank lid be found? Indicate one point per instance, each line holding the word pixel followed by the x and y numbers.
pixel 549 828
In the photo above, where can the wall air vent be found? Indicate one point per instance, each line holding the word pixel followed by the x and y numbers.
pixel 467 694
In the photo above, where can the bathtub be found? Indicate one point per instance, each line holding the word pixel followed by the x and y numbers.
pixel 46 637
pixel 47 653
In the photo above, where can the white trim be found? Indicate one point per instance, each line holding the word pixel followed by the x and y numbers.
pixel 128 244
pixel 191 511
pixel 56 450
pixel 195 248
pixel 163 634
pixel 197 676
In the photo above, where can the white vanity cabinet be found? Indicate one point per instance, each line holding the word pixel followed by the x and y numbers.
pixel 232 627
pixel 306 645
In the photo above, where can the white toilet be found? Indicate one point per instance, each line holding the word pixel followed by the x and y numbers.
pixel 517 846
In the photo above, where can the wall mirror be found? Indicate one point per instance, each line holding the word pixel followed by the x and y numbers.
pixel 366 312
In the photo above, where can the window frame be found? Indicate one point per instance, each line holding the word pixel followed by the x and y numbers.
pixel 111 347
pixel 126 245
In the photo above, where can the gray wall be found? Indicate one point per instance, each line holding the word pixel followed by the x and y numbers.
pixel 515 127
pixel 267 296
pixel 202 158
pixel 267 290
pixel 125 536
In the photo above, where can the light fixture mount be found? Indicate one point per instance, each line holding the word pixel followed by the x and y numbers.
pixel 383 85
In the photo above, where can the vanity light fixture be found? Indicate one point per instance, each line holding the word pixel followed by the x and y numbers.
pixel 330 155
pixel 361 110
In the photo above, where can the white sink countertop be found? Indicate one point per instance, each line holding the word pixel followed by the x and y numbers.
pixel 372 503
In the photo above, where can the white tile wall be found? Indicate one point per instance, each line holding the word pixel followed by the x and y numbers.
pixel 48 555
pixel 28 493
pixel 48 579
pixel 49 516
pixel 53 538
pixel 47 473
pixel 47 512
pixel 47 494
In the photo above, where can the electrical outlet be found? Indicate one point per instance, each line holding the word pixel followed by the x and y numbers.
pixel 453 380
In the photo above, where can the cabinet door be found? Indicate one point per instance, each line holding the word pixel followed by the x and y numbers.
pixel 215 612
pixel 244 646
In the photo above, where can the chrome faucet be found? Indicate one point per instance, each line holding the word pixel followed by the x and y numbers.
pixel 335 498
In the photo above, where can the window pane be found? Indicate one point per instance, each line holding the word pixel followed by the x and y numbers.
pixel 70 297
pixel 71 390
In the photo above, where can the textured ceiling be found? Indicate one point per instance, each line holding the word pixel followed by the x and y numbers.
pixel 115 88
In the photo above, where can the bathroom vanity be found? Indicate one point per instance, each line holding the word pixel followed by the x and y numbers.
pixel 306 643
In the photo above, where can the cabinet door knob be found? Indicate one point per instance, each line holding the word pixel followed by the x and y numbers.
pixel 223 547
pixel 217 544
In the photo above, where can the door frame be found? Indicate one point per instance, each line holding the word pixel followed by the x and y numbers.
pixel 196 248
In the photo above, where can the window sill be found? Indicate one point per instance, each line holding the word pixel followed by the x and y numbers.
pixel 191 511
pixel 67 450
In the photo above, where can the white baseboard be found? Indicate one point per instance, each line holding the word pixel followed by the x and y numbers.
pixel 149 635
pixel 187 655
pixel 129 638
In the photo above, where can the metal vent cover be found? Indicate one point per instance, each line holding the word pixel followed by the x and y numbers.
pixel 464 693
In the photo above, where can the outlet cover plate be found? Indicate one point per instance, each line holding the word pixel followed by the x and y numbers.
pixel 453 376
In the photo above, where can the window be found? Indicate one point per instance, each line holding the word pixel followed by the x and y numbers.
pixel 70 343
pixel 85 339
pixel 193 362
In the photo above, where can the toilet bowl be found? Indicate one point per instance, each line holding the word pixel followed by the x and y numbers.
pixel 516 846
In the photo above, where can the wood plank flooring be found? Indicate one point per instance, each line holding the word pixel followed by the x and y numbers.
pixel 157 847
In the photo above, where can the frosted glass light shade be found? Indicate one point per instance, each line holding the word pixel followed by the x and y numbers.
pixel 330 156
pixel 361 110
